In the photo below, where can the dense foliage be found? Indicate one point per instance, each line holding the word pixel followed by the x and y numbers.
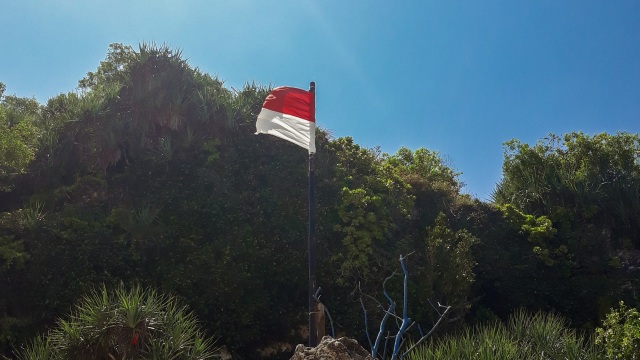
pixel 150 174
pixel 523 337
pixel 620 334
pixel 124 324
pixel 588 189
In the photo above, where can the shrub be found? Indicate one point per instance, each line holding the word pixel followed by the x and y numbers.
pixel 524 336
pixel 127 324
pixel 620 334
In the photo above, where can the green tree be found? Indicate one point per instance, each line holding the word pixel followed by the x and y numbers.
pixel 373 205
pixel 595 177
pixel 448 264
pixel 19 137
pixel 587 186
pixel 433 183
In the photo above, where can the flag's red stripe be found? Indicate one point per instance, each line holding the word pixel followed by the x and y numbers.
pixel 291 101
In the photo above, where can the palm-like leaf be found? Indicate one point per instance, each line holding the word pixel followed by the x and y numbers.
pixel 127 324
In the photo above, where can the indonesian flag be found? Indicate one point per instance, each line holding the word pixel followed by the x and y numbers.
pixel 289 113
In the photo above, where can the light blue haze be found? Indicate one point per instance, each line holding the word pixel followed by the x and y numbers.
pixel 458 77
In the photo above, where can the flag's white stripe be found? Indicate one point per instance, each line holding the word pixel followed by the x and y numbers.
pixel 291 128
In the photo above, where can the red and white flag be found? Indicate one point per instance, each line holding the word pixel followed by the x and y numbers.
pixel 289 113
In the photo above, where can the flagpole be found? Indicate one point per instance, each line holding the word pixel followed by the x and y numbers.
pixel 313 306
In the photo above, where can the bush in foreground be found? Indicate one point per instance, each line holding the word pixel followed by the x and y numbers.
pixel 126 324
pixel 524 336
pixel 620 334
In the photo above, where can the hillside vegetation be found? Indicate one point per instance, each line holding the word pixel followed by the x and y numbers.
pixel 150 174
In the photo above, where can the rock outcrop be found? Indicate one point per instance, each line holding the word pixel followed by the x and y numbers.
pixel 332 349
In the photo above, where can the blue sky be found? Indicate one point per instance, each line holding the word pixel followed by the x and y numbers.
pixel 458 77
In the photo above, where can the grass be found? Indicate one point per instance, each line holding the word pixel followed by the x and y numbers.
pixel 524 336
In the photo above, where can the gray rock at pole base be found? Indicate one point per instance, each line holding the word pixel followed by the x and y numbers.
pixel 332 349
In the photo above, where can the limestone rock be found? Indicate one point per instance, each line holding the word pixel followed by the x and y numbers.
pixel 332 349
